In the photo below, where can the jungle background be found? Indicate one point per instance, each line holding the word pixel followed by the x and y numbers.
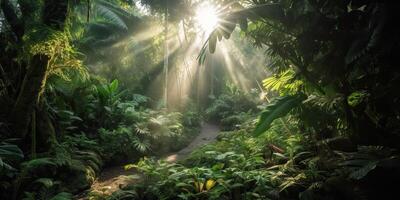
pixel 304 93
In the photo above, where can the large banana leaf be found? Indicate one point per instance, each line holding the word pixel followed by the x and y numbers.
pixel 276 109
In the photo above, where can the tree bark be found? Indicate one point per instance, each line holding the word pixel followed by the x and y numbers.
pixel 54 16
pixel 33 83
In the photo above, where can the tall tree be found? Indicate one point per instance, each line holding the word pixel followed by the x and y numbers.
pixel 37 22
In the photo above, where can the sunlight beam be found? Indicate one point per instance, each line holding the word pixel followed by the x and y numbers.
pixel 207 18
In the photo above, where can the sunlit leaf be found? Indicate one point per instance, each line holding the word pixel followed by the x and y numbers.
pixel 210 184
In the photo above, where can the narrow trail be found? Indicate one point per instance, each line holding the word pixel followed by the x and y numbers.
pixel 114 178
pixel 208 133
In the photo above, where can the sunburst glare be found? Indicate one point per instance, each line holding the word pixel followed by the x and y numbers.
pixel 207 17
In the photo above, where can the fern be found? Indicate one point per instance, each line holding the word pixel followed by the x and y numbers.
pixel 124 194
pixel 139 99
pixel 34 164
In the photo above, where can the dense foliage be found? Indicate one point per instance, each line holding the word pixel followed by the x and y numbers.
pixel 329 58
pixel 232 107
pixel 62 118
pixel 85 85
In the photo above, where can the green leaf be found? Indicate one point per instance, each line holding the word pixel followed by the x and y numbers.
pixel 114 86
pixel 1 163
pixel 35 163
pixel 276 109
pixel 182 185
pixel 202 55
pixel 357 98
pixel 236 185
pixel 218 166
pixel 212 43
pixel 10 152
pixel 47 182
pixel 228 26
pixel 108 109
pixel 363 171
pixel 62 196
pixel 224 155
pixel 110 14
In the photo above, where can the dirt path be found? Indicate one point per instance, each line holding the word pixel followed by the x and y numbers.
pixel 111 179
pixel 209 133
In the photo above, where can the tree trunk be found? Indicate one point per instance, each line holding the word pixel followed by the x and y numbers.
pixel 46 136
pixel 28 97
pixel 54 16
pixel 166 59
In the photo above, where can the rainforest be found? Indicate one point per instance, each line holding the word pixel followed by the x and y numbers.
pixel 199 99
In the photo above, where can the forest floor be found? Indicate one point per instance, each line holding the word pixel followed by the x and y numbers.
pixel 113 178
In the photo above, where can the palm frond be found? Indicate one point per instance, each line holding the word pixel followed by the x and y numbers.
pixel 141 145
pixel 142 128
pixel 285 82
pixel 111 14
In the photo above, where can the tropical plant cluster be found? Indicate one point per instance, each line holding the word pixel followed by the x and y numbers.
pixel 61 120
pixel 76 79
pixel 336 79
pixel 232 107
pixel 278 164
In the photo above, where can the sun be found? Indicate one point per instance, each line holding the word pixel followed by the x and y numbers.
pixel 207 18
